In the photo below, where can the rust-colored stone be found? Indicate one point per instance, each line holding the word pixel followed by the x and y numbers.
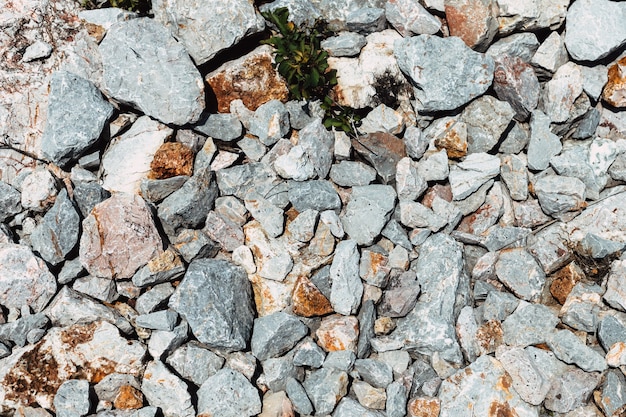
pixel 170 160
pixel 308 301
pixel 129 398
pixel 251 79
pixel 437 190
pixel 474 21
pixel 498 409
pixel 453 140
pixel 424 407
pixel 338 332
pixel 489 336
pixel 615 89
pixel 564 280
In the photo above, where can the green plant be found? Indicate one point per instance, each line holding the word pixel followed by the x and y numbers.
pixel 139 6
pixel 303 63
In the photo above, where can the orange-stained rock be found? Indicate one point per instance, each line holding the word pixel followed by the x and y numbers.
pixel 170 160
pixel 129 398
pixel 424 407
pixel 489 336
pixel 564 280
pixel 474 21
pixel 338 332
pixel 439 190
pixel 453 139
pixel 250 78
pixel 615 89
pixel 308 301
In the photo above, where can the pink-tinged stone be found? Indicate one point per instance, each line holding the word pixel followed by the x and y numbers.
pixel 338 332
pixel 277 404
pixel 119 237
pixel 515 82
pixel 615 89
pixel 24 278
pixel 474 21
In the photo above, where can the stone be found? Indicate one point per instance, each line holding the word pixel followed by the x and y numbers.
pixel 449 133
pixel 558 194
pixel 571 390
pixel 154 298
pixel 435 167
pixel 308 300
pixel 550 55
pixel 192 244
pixel 222 230
pixel 172 159
pixel 17 331
pixel 325 387
pixel 33 374
pixel 223 322
pixel 543 143
pixel 424 407
pixel 369 396
pixel 87 195
pixel 308 353
pixel 367 328
pixel 519 271
pixel 57 234
pixel 77 114
pixel 347 289
pixel 611 398
pixel 24 278
pixel 467 176
pixel 268 215
pixel 348 407
pixel 275 334
pixel 116 228
pixel 298 397
pixel 344 44
pixel 423 58
pixel 383 151
pixel 409 17
pixel 301 12
pixel 302 228
pixel 337 332
pixel 527 379
pixel 396 400
pixel 10 201
pixel 475 22
pixel 529 324
pixel 316 195
pixel 376 373
pixel 367 212
pixel 270 122
pixel 122 390
pixel 486 119
pixel 614 294
pixel 352 173
pixel 194 362
pixel 366 20
pixel 294 165
pixel 103 289
pixel 156 70
pixel 373 267
pixel 72 398
pixel 605 32
pixel 499 305
pixel 522 45
pixel 581 307
pixel 187 207
pixel 276 404
pixel 39 189
pixel 228 393
pixel 399 299
pixel 429 326
pixel 515 82
pixel 142 141
pixel 278 370
pixel 561 91
pixel 382 119
pixel 615 89
pixel 165 390
pixel 156 191
pixel 414 142
pixel 37 50
pixel 159 320
pixel 515 16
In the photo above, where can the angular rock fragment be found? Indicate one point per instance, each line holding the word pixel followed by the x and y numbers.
pixel 346 291
pixel 571 390
pixel 516 83
pixel 474 21
pixel 165 390
pixel 367 212
pixel 270 122
pixel 519 271
pixel 72 398
pixel 543 143
pixel 325 387
pixel 409 17
pixel 550 55
pixel 383 151
pixel 561 92
pixel 528 325
pixel 308 300
pixel 315 194
pixel 474 171
pixel 275 334
pixel 615 295
pixel 195 363
pixel 338 333
pixel 558 194
pixel 529 382
pixel 39 189
pixel 486 119
pixel 229 394
pixel 614 92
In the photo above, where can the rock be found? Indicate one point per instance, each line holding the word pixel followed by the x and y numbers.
pixel 486 119
pixel 103 289
pixel 396 399
pixel 76 117
pixel 519 271
pixel 531 16
pixel 116 228
pixel 165 390
pixel 367 212
pixel 499 305
pixel 515 82
pixel 223 323
pixel 308 300
pixel 467 176
pixel 424 407
pixel 529 382
pixel 611 398
pixel 39 190
pixel 156 70
pixel 192 244
pixel 72 398
pixel 561 92
pixel 543 143
pixel 474 21
pixel 195 363
pixel 615 89
pixel 301 12
pixel 594 29
pixel 522 45
pixel 276 404
pixel 275 334
pixel 228 393
pixel 347 407
pixel 570 390
pixel 558 194
pixel 24 278
pixel 376 373
pixel 325 387
pixel 223 231
pixel 172 159
pixel 550 55
pixel 222 126
pixel 581 307
pixel 383 151
pixel 270 122
pixel 10 201
pixel 409 17
pixel 435 167
pixel 33 374
pixel 298 397
pixel 614 294
pixel 366 20
pixel 58 232
pixel 316 195
pixel 529 324
pixel 37 50
pixel 347 288
pixel 351 173
pixel 399 299
pixel 159 320
pixel 423 58
pixel 121 390
pixel 154 298
pixel 142 141
pixel 337 332
pixel 308 353
pixel 17 331
pixel 344 44
pixel 268 215
pixel 382 119
pixel 302 228
pixel 449 133
pixel 187 208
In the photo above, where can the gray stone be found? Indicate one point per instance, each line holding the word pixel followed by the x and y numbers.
pixel 268 215
pixel 160 320
pixel 466 330
pixel 543 143
pixel 352 173
pixel 594 29
pixel 415 143
pixel 295 164
pixel 167 266
pixel 222 126
pixel 275 334
pixel 409 17
pixel 550 55
pixel 367 318
pixel 516 140
pixel 486 119
pixel 298 397
pixel 77 113
pixel 528 325
pixel 301 12
pixel 571 390
pixel 302 228
pixel 188 207
pixel 325 387
pixel 574 161
pixel 434 167
pixel 164 342
pixel 342 360
pixel 528 380
pixel 276 371
pixel 10 201
pixel 558 194
pixel 156 191
pixel 223 231
pixel 467 176
pixel 366 20
pixel 396 234
pixel 154 298
pixel 308 353
pixel 57 233
pixel 195 363
pixel 155 74
pixel 315 194
pixel 521 45
pixel 519 271
pixel 373 267
pixel 252 147
pixel 344 44
pixel 87 195
pixel 570 349
pixel 348 407
pixel 429 327
pixel 215 297
pixel 245 363
pixel 413 214
pixel 516 83
pixel 376 373
pixel 515 175
pixel 333 222
pixel 589 123
pixel 409 184
pixel 383 151
pixel 17 331
pixel 270 122
pixel 499 305
pixel 229 394
pixel 24 278
pixel 318 144
pixel 615 295
pixel 560 93
pixel 37 50
pixel 400 296
pixel 110 387
pixel 165 390
pixel 582 306
pixel 382 119
pixel 39 188
pixel 424 58
pixel 531 16
pixel 528 214
pixel 367 212
pixel 594 79
pixel 347 289
pixel 103 289
pixel 72 398
pixel 611 331
pixel 613 394
pixel 396 399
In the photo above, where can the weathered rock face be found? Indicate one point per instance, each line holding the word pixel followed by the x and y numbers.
pixel 119 237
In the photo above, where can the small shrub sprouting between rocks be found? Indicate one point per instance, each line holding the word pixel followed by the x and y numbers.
pixel 304 65
pixel 139 6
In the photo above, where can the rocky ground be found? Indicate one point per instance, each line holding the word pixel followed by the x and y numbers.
pixel 179 239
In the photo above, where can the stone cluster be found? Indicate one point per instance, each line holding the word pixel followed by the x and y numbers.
pixel 177 238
